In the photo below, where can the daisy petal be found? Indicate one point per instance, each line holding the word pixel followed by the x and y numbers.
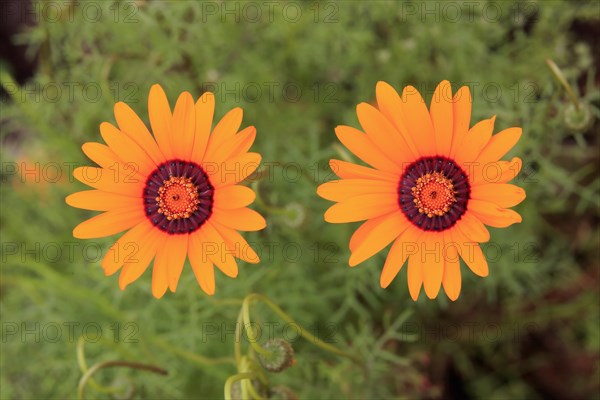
pixel 415 275
pixel 226 128
pixel 241 219
pixel 493 215
pixel 471 253
pixel 131 124
pixel 134 269
pixel 161 118
pixel 233 170
pixel 236 243
pixel 461 118
pixel 126 149
pixel 499 145
pixel 390 105
pixel 172 252
pixel 451 279
pixel 97 200
pixel 234 147
pixel 346 170
pixel 502 194
pixel 405 245
pixel 121 180
pixel 205 110
pixel 360 208
pixel 217 251
pixel 383 134
pixel 476 139
pixel 109 223
pixel 126 248
pixel 418 121
pixel 379 237
pixel 201 265
pixel 340 190
pixel 473 228
pixel 184 127
pixel 364 148
pixel 235 196
pixel 433 263
pixel 441 111
pixel 101 154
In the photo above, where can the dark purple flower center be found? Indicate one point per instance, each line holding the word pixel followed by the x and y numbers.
pixel 433 193
pixel 178 197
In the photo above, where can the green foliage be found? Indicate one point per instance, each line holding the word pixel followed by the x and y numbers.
pixel 297 78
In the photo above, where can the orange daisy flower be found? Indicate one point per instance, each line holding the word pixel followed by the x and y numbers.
pixel 176 193
pixel 434 185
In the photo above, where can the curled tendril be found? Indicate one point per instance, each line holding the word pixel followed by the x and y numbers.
pixel 87 373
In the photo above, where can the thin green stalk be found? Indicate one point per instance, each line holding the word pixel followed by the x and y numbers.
pixel 108 364
pixel 234 378
pixel 557 73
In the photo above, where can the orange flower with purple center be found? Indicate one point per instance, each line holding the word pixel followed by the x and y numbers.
pixel 175 192
pixel 433 186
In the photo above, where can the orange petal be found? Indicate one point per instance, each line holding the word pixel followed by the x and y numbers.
pixel 184 127
pixel 131 124
pixel 233 170
pixel 201 265
pixel 441 111
pixel 383 134
pixel 477 138
pixel 432 257
pixel 493 171
pixel 415 275
pixel 109 223
pixel 205 110
pixel 134 269
pixel 98 200
pixel 406 245
pixel 121 180
pixel 365 229
pixel 235 196
pixel 499 145
pixel 379 237
pixel 226 128
pixel 390 105
pixel 502 194
pixel 160 273
pixel 346 170
pixel 364 148
pixel 236 243
pixel 360 208
pixel 176 248
pixel 126 149
pixel 241 219
pixel 101 155
pixel 234 147
pixel 461 118
pixel 340 190
pixel 161 119
pixel 471 253
pixel 126 248
pixel 473 228
pixel 217 251
pixel 418 121
pixel 451 279
pixel 493 215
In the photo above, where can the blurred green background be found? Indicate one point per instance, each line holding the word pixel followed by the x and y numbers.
pixel 530 330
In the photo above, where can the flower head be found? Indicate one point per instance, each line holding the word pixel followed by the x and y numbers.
pixel 175 192
pixel 434 185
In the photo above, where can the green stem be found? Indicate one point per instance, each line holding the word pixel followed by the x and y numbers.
pixel 108 364
pixel 84 369
pixel 561 79
pixel 234 378
pixel 305 334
